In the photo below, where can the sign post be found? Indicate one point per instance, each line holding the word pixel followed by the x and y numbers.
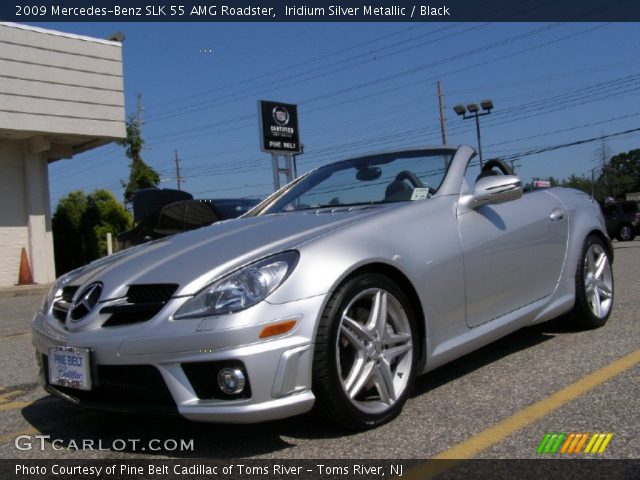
pixel 279 136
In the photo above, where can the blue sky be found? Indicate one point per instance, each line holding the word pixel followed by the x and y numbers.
pixel 360 88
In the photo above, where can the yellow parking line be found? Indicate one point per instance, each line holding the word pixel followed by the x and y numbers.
pixel 12 435
pixel 5 397
pixel 15 335
pixel 13 406
pixel 487 438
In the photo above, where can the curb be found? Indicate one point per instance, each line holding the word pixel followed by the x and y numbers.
pixel 24 291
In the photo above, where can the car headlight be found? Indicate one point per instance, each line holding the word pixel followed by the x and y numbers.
pixel 55 292
pixel 241 289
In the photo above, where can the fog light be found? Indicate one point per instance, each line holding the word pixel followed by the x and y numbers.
pixel 231 381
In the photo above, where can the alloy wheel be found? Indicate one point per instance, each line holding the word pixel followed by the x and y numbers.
pixel 374 350
pixel 598 281
pixel 626 233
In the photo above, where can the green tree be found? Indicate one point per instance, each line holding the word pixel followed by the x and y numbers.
pixel 554 181
pixel 141 175
pixel 579 182
pixel 622 174
pixel 80 225
pixel 67 224
pixel 103 214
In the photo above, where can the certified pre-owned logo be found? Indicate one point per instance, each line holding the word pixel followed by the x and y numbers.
pixel 85 302
pixel 280 115
pixel 574 443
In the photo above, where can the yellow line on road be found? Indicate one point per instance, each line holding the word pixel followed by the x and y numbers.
pixel 15 335
pixel 13 406
pixel 5 397
pixel 487 438
pixel 12 435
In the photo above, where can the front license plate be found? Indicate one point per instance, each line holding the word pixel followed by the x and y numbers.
pixel 69 367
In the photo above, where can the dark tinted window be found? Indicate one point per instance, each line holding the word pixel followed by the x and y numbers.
pixel 172 219
pixel 198 215
pixel 233 208
pixel 610 209
pixel 630 207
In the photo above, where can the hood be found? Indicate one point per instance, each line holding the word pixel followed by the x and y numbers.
pixel 195 258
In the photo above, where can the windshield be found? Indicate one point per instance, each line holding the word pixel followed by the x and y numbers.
pixel 391 177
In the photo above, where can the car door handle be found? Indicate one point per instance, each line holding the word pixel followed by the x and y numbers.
pixel 556 214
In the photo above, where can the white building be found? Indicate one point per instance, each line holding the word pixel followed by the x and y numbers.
pixel 60 94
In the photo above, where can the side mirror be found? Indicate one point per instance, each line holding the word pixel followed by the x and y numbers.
pixel 496 189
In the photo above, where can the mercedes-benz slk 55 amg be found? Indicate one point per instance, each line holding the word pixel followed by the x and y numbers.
pixel 336 291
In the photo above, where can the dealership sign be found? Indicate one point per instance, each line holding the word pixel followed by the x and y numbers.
pixel 279 132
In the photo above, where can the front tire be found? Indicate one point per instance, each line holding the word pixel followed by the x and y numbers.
pixel 365 353
pixel 594 285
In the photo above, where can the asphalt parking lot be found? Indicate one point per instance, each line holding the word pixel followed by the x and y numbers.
pixel 498 402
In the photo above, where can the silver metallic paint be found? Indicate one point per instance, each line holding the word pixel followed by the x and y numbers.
pixel 479 273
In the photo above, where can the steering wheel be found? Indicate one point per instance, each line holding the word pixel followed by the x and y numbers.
pixel 496 163
pixel 410 177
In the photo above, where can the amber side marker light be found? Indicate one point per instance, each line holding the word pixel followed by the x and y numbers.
pixel 277 328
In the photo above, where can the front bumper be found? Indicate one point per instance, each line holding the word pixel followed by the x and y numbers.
pixel 278 368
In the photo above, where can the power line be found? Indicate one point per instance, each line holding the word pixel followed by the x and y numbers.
pixel 507 41
pixel 485 13
pixel 278 71
pixel 551 148
pixel 303 77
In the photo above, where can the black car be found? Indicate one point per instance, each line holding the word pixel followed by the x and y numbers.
pixel 622 219
pixel 184 215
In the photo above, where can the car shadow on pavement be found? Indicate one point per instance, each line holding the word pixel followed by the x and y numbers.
pixel 106 430
pixel 515 342
pixel 73 425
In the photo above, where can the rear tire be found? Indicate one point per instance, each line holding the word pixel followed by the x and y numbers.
pixel 625 233
pixel 594 285
pixel 365 353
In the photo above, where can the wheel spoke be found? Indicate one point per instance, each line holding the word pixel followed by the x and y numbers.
pixel 384 383
pixel 603 290
pixel 354 332
pixel 394 352
pixel 600 264
pixel 361 378
pixel 591 267
pixel 377 323
pixel 355 328
pixel 356 370
pixel 596 303
pixel 395 338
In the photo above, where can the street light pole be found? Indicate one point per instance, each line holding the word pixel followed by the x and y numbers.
pixel 474 112
pixel 479 140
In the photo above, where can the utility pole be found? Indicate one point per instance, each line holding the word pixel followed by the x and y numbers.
pixel 442 119
pixel 139 110
pixel 178 177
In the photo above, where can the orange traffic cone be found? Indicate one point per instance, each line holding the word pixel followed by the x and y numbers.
pixel 24 277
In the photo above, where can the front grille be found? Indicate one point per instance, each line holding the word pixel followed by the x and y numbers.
pixel 61 307
pixel 203 377
pixel 157 292
pixel 121 388
pixel 143 302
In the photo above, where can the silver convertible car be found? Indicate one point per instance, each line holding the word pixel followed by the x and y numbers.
pixel 333 293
